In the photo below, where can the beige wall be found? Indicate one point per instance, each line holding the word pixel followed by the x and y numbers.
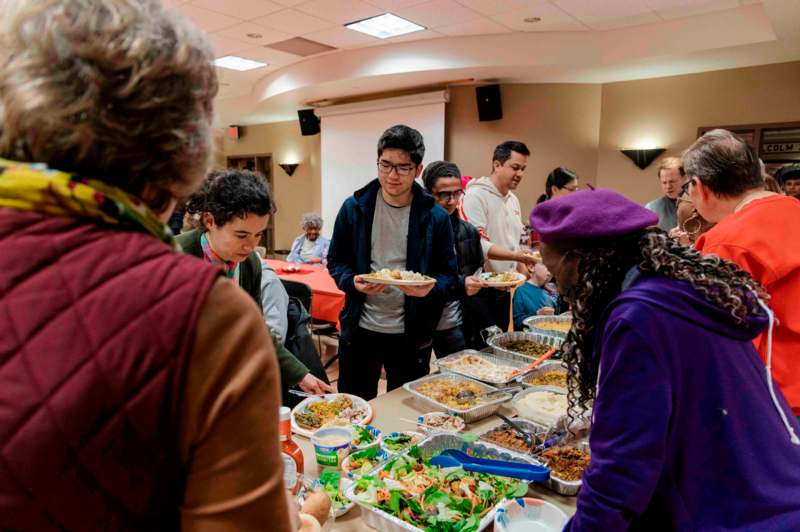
pixel 579 126
pixel 294 195
pixel 668 111
pixel 560 123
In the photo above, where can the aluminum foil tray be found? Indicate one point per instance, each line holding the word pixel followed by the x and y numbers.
pixel 546 367
pixel 518 364
pixel 470 415
pixel 496 342
pixel 532 324
pixel 380 520
pixel 568 488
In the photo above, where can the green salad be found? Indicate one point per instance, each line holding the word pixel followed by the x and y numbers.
pixel 362 462
pixel 432 498
pixel 363 436
pixel 330 481
pixel 398 442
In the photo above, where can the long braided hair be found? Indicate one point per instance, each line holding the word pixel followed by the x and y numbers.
pixel 602 268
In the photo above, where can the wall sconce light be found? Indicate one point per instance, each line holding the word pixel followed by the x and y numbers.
pixel 643 158
pixel 289 168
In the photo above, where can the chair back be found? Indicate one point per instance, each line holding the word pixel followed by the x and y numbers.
pixel 298 290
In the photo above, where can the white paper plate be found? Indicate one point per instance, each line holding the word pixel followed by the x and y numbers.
pixel 501 284
pixel 357 403
pixel 397 282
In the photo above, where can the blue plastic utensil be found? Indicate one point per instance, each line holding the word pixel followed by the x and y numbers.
pixel 503 468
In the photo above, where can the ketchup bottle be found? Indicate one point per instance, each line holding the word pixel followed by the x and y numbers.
pixel 291 454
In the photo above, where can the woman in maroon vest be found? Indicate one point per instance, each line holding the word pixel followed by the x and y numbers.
pixel 138 387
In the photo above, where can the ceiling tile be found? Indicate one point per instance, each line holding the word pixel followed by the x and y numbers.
pixel 241 9
pixel 270 56
pixel 553 19
pixel 340 11
pixel 294 22
pixel 225 46
pixel 438 13
pixel 240 33
pixel 210 21
pixel 671 9
pixel 496 7
pixel 341 37
pixel 481 26
pixel 394 5
pixel 609 14
pixel 290 3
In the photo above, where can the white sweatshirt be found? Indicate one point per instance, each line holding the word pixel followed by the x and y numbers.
pixel 497 217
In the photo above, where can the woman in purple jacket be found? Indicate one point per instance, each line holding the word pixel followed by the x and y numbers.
pixel 689 432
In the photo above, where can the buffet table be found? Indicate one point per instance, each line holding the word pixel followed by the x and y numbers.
pixel 388 409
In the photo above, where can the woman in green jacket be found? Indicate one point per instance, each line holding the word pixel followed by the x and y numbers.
pixel 234 207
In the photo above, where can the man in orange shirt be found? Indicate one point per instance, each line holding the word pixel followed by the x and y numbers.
pixel 754 230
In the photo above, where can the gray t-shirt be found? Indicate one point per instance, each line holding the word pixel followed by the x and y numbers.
pixel 667 211
pixel 451 316
pixel 384 312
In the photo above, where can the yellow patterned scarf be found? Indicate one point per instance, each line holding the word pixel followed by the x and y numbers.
pixel 35 187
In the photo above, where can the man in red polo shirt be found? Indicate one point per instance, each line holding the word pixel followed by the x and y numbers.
pixel 757 230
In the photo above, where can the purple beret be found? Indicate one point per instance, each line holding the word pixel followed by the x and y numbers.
pixel 589 214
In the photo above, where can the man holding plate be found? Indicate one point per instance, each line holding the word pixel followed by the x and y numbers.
pixel 390 224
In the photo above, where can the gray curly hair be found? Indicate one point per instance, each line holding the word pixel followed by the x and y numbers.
pixel 311 219
pixel 115 90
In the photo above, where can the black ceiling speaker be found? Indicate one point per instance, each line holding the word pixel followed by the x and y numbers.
pixel 309 122
pixel 489 106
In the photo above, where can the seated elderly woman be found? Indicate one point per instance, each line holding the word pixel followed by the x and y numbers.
pixel 138 385
pixel 310 247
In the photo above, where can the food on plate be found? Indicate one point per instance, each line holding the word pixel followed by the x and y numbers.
pixel 331 482
pixel 508 438
pixel 480 368
pixel 362 462
pixel 561 326
pixel 399 441
pixel 542 406
pixel 527 347
pixel 566 463
pixel 441 422
pixel 446 392
pixel 501 277
pixel 396 275
pixel 317 505
pixel 548 378
pixel 365 436
pixel 323 411
pixel 431 498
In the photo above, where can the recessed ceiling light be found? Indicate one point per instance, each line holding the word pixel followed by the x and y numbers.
pixel 531 20
pixel 241 64
pixel 385 26
pixel 254 35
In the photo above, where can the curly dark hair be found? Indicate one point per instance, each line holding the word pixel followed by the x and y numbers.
pixel 601 271
pixel 437 170
pixel 227 194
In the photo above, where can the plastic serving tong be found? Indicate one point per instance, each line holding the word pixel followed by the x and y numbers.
pixel 455 458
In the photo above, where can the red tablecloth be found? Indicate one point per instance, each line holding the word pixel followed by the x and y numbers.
pixel 326 300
